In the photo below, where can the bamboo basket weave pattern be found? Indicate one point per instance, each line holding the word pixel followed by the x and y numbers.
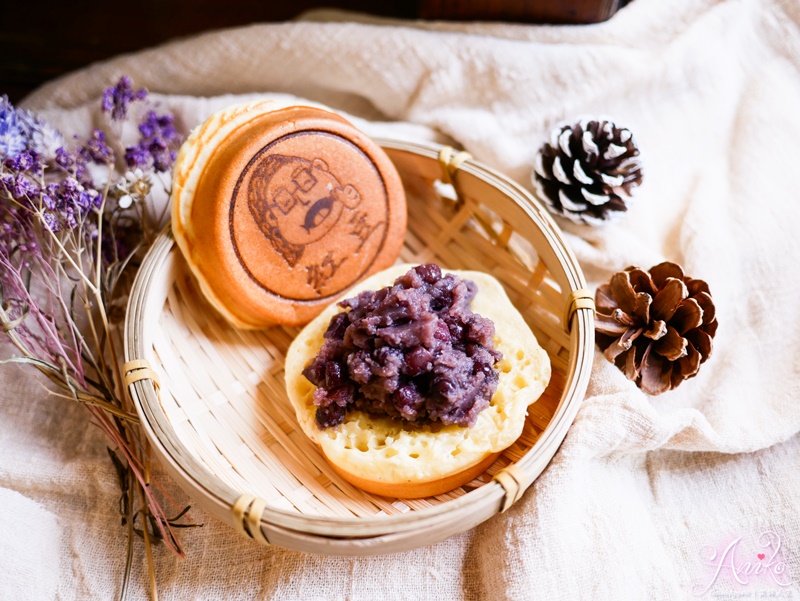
pixel 221 422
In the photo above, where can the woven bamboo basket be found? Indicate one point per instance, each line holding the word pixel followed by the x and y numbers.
pixel 212 401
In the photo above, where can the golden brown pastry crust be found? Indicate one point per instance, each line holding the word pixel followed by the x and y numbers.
pixel 278 209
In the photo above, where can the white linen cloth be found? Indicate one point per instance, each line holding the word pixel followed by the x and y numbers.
pixel 643 488
pixel 30 570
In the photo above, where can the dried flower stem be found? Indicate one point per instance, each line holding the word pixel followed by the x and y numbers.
pixel 145 518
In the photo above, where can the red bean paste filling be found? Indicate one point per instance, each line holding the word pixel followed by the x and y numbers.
pixel 413 351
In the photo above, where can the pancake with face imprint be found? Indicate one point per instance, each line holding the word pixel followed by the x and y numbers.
pixel 279 208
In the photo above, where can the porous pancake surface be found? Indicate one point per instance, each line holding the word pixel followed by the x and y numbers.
pixel 392 452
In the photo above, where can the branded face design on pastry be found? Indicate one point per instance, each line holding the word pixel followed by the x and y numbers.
pixel 311 217
pixel 279 208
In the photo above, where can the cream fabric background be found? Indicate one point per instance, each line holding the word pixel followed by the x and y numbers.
pixel 641 486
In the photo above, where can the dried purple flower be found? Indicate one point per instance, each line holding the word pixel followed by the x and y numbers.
pixel 118 98
pixel 163 160
pixel 137 156
pixel 27 160
pixel 70 217
pixel 90 199
pixel 81 171
pixel 96 149
pixel 20 187
pixel 25 188
pixel 65 203
pixel 12 135
pixel 155 148
pixel 51 222
pixel 76 196
pixel 156 125
pixel 64 158
pixel 50 196
pixel 17 235
pixel 7 181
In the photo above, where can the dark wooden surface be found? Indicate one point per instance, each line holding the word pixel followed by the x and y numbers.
pixel 42 39
pixel 528 11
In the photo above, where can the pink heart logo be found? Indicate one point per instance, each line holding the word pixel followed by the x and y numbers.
pixel 760 556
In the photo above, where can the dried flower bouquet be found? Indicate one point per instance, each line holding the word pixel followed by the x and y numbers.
pixel 74 222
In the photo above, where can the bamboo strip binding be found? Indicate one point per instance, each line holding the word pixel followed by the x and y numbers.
pixel 578 299
pixel 450 161
pixel 136 370
pixel 511 480
pixel 246 513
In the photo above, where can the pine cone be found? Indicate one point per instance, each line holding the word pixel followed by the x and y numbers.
pixel 656 327
pixel 586 170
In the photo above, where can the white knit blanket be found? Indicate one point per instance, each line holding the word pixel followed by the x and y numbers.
pixel 693 494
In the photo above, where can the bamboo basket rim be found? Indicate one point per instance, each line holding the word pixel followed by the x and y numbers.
pixel 580 324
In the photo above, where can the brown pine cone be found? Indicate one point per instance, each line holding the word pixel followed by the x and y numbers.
pixel 588 170
pixel 657 327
